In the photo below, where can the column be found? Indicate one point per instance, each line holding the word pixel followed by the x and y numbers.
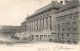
pixel 38 25
pixel 29 26
pixel 41 25
pixel 34 26
pixel 44 23
pixel 48 23
pixel 54 21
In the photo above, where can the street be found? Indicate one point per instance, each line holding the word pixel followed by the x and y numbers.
pixel 41 46
pixel 37 46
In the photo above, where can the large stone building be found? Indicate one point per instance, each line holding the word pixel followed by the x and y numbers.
pixel 68 20
pixel 11 30
pixel 58 21
pixel 24 26
pixel 42 23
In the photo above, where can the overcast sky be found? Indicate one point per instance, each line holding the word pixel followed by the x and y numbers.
pixel 13 12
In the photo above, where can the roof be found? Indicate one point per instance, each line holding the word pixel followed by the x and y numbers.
pixel 10 27
pixel 54 5
pixel 25 21
pixel 68 6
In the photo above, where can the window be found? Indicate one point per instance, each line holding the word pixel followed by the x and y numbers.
pixel 41 35
pixel 67 35
pixel 74 26
pixel 63 26
pixel 56 19
pixel 48 35
pixel 68 12
pixel 58 35
pixel 32 36
pixel 46 22
pixel 50 22
pixel 65 18
pixel 62 18
pixel 43 24
pixel 62 36
pixel 45 35
pixel 74 18
pixel 58 27
pixel 68 26
pixel 70 17
pixel 74 10
pixel 36 35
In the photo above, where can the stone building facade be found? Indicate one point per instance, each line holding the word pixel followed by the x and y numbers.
pixel 42 23
pixel 68 22
pixel 24 26
pixel 58 21
pixel 10 30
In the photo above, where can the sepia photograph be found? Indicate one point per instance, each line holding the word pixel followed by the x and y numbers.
pixel 39 25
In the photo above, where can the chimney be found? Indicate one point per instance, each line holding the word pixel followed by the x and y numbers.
pixel 61 2
pixel 66 1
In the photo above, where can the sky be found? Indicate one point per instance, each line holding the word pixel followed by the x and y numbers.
pixel 13 12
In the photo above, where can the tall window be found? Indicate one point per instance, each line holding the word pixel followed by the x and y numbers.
pixel 58 27
pixel 68 35
pixel 46 23
pixel 62 36
pixel 43 24
pixel 63 26
pixel 50 22
pixel 58 35
pixel 74 26
pixel 68 26
pixel 74 18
